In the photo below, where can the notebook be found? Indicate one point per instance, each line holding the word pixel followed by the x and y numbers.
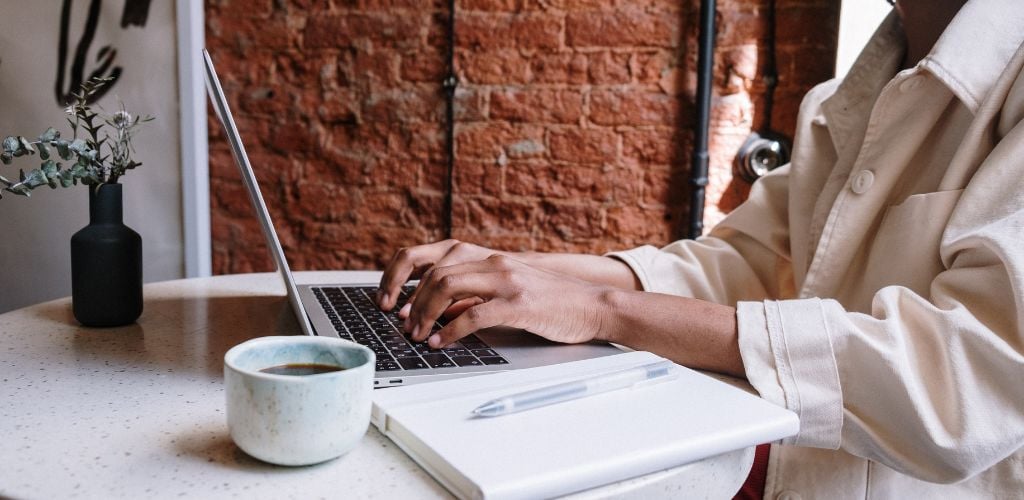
pixel 575 445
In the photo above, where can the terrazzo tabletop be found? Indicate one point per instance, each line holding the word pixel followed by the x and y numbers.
pixel 138 411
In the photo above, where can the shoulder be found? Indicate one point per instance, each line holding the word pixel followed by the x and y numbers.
pixel 1012 113
pixel 818 95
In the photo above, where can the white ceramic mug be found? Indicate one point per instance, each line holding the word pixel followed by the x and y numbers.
pixel 298 419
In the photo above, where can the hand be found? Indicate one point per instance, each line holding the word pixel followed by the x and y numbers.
pixel 506 292
pixel 413 262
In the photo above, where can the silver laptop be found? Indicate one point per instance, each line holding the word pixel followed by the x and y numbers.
pixel 349 312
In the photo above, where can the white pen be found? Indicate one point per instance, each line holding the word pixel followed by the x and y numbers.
pixel 575 389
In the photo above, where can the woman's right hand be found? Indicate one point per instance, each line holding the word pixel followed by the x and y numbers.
pixel 413 262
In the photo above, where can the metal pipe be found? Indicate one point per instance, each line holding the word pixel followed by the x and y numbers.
pixel 699 164
pixel 450 84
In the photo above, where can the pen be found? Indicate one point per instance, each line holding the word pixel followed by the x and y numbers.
pixel 574 390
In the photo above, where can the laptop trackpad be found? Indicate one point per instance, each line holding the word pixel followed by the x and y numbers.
pixel 523 348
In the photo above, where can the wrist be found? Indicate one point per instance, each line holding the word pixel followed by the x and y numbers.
pixel 610 302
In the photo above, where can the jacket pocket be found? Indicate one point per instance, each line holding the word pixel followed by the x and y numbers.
pixel 905 251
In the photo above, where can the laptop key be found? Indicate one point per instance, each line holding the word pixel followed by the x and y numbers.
pixel 484 353
pixel 386 366
pixel 404 353
pixel 438 361
pixel 466 361
pixel 412 363
pixel 494 360
pixel 423 347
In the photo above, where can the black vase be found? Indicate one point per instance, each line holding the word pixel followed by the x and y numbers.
pixel 106 264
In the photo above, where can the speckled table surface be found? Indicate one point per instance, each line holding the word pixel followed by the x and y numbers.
pixel 138 411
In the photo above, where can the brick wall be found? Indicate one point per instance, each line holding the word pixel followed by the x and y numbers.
pixel 573 132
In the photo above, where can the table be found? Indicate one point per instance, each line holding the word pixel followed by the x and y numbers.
pixel 138 411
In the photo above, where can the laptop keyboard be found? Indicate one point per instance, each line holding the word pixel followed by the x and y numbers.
pixel 355 317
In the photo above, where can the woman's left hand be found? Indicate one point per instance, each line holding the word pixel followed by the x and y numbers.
pixel 509 293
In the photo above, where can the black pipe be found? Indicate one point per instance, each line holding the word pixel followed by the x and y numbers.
pixel 699 164
pixel 451 82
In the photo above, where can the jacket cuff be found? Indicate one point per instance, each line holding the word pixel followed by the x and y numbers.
pixel 788 357
pixel 638 259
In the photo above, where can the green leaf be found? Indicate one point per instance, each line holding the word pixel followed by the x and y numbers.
pixel 67 178
pixel 50 168
pixel 49 135
pixel 11 144
pixel 62 149
pixel 33 179
pixel 6 157
pixel 44 152
pixel 79 146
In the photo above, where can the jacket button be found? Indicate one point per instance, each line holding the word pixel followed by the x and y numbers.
pixel 788 495
pixel 862 181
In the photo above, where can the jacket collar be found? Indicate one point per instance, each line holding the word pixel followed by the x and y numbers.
pixel 975 48
pixel 968 58
pixel 855 96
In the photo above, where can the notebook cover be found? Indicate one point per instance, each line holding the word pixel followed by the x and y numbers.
pixel 575 445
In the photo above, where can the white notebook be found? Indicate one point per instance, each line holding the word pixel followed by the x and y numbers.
pixel 574 445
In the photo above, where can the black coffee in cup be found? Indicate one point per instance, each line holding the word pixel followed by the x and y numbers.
pixel 301 369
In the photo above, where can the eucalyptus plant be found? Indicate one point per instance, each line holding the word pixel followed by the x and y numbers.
pixel 101 156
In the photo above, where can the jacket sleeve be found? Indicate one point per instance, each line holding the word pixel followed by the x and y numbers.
pixel 746 257
pixel 929 386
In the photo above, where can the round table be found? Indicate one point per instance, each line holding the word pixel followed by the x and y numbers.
pixel 138 411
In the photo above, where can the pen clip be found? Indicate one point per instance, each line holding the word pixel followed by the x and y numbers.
pixel 673 374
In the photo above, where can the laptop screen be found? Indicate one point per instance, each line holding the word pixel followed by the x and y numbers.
pixel 220 106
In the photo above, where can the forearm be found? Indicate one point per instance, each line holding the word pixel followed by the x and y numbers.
pixel 592 268
pixel 693 333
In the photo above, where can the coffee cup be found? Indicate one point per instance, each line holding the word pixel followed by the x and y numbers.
pixel 298 400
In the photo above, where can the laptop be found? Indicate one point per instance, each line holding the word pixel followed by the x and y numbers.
pixel 348 311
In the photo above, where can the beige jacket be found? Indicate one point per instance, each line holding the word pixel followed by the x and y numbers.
pixel 879 278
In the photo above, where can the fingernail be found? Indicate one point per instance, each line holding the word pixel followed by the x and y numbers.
pixel 404 311
pixel 382 298
pixel 434 341
pixel 415 331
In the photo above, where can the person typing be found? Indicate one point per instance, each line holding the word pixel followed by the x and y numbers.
pixel 874 286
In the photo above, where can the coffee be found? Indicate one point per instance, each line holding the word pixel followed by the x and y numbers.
pixel 301 369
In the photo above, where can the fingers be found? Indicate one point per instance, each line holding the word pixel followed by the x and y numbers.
pixel 459 307
pixel 448 285
pixel 408 263
pixel 477 317
pixel 458 253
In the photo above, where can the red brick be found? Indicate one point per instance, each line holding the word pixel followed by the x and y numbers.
pixel 477 178
pixel 609 68
pixel 591 145
pixel 538 106
pixel 556 181
pixel 622 27
pixel 344 30
pixel 501 67
pixel 522 31
pixel 493 139
pixel 491 214
pixel 572 222
pixel 656 145
pixel 633 108
pixel 562 67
